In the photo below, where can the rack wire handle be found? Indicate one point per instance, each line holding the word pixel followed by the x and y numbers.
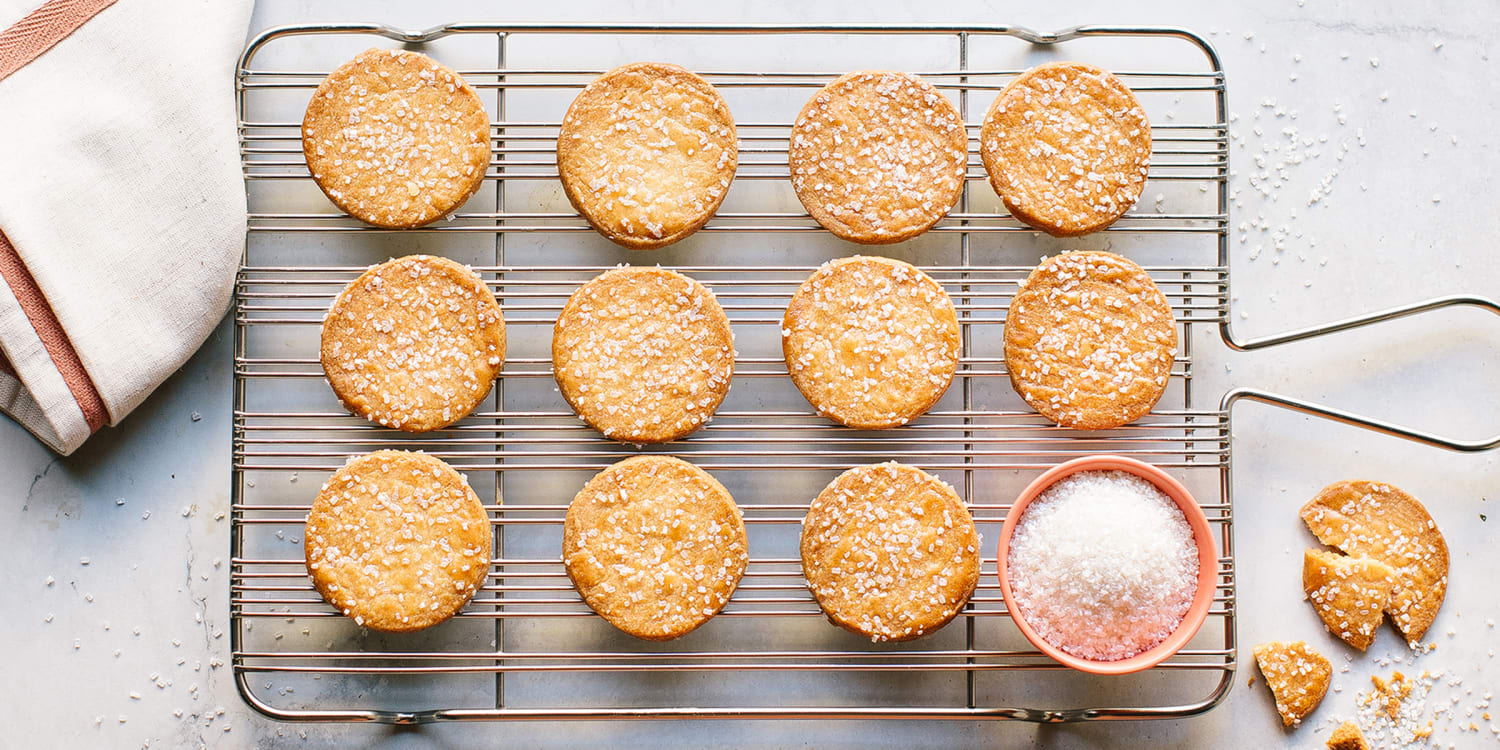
pixel 1358 321
pixel 1357 420
pixel 1347 417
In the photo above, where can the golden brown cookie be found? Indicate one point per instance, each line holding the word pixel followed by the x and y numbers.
pixel 1066 146
pixel 1297 675
pixel 1089 340
pixel 871 342
pixel 1349 593
pixel 1374 520
pixel 396 139
pixel 414 343
pixel 397 541
pixel 646 153
pixel 878 157
pixel 644 355
pixel 890 552
pixel 1347 737
pixel 655 545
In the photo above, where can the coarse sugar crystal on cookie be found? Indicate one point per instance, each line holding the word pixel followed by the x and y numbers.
pixel 878 157
pixel 1376 521
pixel 397 541
pixel 396 139
pixel 414 343
pixel 871 342
pixel 890 551
pixel 1089 340
pixel 646 153
pixel 655 546
pixel 1067 147
pixel 644 355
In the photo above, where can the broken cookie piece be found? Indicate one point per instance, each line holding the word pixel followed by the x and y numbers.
pixel 1297 675
pixel 1347 737
pixel 1350 594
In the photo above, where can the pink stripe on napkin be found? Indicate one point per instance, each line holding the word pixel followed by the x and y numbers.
pixel 43 28
pixel 54 338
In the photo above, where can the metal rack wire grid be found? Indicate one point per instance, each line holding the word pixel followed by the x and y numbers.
pixel 527 647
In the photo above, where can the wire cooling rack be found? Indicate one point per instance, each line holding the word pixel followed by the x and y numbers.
pixel 527 647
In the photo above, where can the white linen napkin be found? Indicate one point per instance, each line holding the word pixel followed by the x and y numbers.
pixel 122 203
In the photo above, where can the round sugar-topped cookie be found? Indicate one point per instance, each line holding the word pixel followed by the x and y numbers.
pixel 890 551
pixel 878 157
pixel 655 545
pixel 1066 146
pixel 396 139
pixel 414 343
pixel 871 342
pixel 1089 340
pixel 644 355
pixel 397 541
pixel 1378 522
pixel 646 153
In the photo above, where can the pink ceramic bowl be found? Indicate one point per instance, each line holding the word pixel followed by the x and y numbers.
pixel 1208 563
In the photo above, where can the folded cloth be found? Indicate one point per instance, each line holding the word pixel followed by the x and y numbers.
pixel 122 204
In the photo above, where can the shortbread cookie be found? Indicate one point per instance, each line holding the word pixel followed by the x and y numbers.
pixel 890 552
pixel 1377 521
pixel 1297 675
pixel 878 157
pixel 655 545
pixel 397 541
pixel 1089 340
pixel 644 355
pixel 871 342
pixel 1347 737
pixel 396 139
pixel 1350 594
pixel 414 343
pixel 1066 146
pixel 646 153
